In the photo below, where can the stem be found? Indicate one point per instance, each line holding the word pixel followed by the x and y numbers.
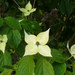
pixel 16 3
pixel 33 7
pixel 3 2
pixel 69 58
pixel 59 32
pixel 26 1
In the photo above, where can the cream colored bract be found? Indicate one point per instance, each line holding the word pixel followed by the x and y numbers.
pixel 71 50
pixel 3 40
pixel 37 44
pixel 28 9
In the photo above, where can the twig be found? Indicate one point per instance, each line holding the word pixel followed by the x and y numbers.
pixel 33 7
pixel 59 32
pixel 34 3
pixel 26 1
pixel 3 2
pixel 72 40
pixel 16 3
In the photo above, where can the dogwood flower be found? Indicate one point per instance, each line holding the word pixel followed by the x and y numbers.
pixel 3 40
pixel 28 9
pixel 71 50
pixel 37 44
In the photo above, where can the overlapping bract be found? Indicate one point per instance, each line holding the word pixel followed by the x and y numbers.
pixel 3 41
pixel 28 9
pixel 37 44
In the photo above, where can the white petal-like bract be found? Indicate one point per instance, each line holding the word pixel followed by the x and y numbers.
pixel 45 51
pixel 30 38
pixel 34 9
pixel 26 13
pixel 72 50
pixel 23 10
pixel 30 49
pixel 2 47
pixel 43 37
pixel 3 40
pixel 28 6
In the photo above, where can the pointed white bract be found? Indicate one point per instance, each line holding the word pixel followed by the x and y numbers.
pixel 3 41
pixel 71 50
pixel 37 44
pixel 28 9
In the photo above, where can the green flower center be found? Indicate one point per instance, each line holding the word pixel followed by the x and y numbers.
pixel 1 41
pixel 37 43
pixel 28 10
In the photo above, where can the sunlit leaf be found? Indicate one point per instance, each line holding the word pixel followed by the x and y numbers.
pixel 43 67
pixel 25 66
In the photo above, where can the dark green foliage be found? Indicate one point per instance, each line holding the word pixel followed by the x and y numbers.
pixel 59 15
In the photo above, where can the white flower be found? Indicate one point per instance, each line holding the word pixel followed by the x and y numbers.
pixel 3 40
pixel 28 9
pixel 37 44
pixel 71 50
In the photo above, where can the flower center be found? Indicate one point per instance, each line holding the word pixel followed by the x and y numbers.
pixel 28 10
pixel 37 43
pixel 1 41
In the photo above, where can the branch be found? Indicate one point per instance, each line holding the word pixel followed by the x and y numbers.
pixel 26 1
pixel 33 7
pixel 59 32
pixel 16 3
pixel 72 40
pixel 3 2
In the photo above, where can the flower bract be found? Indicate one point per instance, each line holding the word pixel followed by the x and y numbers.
pixel 3 40
pixel 28 9
pixel 71 50
pixel 37 44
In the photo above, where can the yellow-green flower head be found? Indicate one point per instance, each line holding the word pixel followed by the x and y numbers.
pixel 28 9
pixel 71 50
pixel 37 44
pixel 3 40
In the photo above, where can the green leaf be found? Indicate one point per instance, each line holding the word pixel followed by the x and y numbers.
pixel 1 53
pixel 20 50
pixel 53 4
pixel 4 30
pixel 1 22
pixel 14 38
pixel 68 73
pixel 59 68
pixel 74 68
pixel 35 26
pixel 31 26
pixel 57 56
pixel 5 60
pixel 66 7
pixel 7 72
pixel 12 23
pixel 25 66
pixel 8 66
pixel 43 67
